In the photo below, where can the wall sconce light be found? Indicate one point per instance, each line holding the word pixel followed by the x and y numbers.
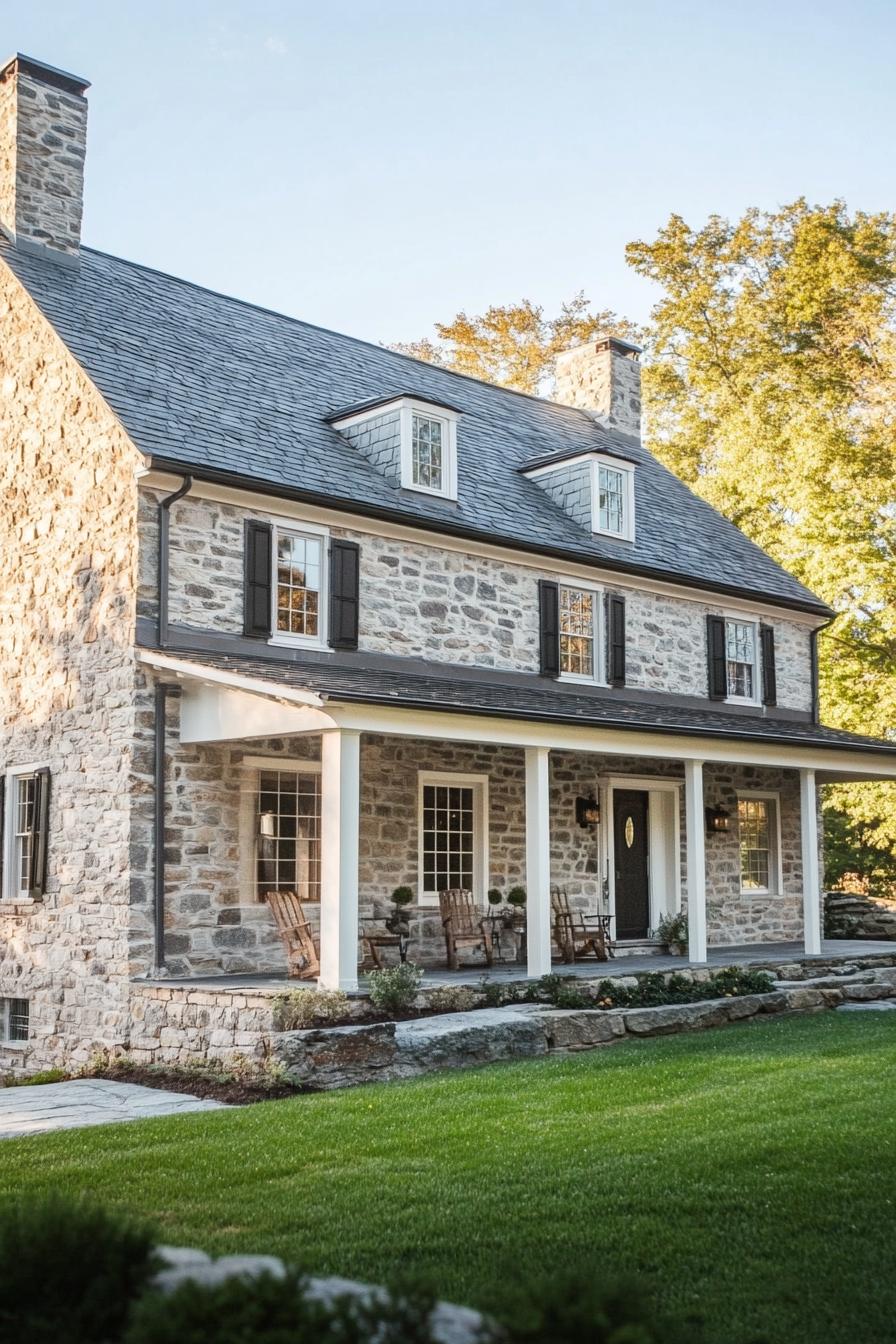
pixel 587 811
pixel 718 821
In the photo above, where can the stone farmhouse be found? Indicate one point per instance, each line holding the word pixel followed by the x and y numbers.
pixel 284 610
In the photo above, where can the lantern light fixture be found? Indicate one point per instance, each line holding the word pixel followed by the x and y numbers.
pixel 587 811
pixel 718 821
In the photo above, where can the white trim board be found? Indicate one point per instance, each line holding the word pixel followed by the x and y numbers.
pixel 337 519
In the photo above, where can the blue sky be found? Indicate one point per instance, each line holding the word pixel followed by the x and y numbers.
pixel 374 167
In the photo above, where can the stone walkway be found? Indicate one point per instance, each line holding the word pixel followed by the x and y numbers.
pixel 88 1101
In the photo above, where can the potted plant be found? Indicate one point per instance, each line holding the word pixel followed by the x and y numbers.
pixel 494 896
pixel 516 900
pixel 398 921
pixel 672 930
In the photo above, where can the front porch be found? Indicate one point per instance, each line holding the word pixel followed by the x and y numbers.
pixel 272 788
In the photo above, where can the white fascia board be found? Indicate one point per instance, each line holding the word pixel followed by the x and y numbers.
pixel 346 521
pixel 183 669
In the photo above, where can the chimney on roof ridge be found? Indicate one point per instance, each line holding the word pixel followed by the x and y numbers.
pixel 603 376
pixel 43 141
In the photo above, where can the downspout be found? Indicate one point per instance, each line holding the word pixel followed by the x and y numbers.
pixel 164 507
pixel 162 691
pixel 813 652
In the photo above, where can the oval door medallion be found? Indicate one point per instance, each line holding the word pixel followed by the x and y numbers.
pixel 629 832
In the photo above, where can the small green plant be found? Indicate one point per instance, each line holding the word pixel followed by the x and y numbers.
pixel 494 896
pixel 303 1008
pixel 35 1079
pixel 673 929
pixel 394 989
pixel 516 897
pixel 453 999
pixel 492 994
pixel 403 896
pixel 69 1270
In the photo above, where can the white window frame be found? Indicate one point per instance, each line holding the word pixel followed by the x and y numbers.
pixel 627 471
pixel 322 534
pixel 11 802
pixel 6 1041
pixel 775 868
pixel 408 408
pixel 598 678
pixel 735 618
pixel 253 767
pixel 479 784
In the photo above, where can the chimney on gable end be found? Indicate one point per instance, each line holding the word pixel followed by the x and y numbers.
pixel 603 376
pixel 43 141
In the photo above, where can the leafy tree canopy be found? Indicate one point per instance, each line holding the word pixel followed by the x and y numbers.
pixel 515 344
pixel 771 389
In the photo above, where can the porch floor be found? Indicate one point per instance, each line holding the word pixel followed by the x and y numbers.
pixel 754 954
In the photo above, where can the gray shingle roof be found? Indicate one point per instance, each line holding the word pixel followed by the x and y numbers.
pixel 539 702
pixel 221 386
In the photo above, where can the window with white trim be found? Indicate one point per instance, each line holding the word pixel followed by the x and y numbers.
pixel 741 660
pixel 14 1021
pixel 452 823
pixel 428 448
pixel 613 498
pixel 20 824
pixel 426 451
pixel 580 623
pixel 757 826
pixel 299 586
pixel 289 831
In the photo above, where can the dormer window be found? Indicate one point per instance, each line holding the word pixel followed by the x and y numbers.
pixel 412 441
pixel 596 489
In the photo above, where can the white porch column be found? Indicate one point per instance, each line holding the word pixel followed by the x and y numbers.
pixel 696 860
pixel 339 814
pixel 538 862
pixel 811 876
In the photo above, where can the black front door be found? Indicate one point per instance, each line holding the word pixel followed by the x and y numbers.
pixel 630 858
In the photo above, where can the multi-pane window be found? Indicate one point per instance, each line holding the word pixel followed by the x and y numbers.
pixel 25 787
pixel 448 833
pixel 288 811
pixel 299 565
pixel 612 488
pixel 740 658
pixel 757 836
pixel 427 449
pixel 578 631
pixel 14 1020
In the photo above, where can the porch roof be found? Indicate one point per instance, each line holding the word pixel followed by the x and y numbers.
pixel 496 696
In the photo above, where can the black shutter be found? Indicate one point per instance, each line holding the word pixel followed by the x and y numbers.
pixel 37 876
pixel 716 659
pixel 549 627
pixel 257 580
pixel 769 679
pixel 615 639
pixel 345 577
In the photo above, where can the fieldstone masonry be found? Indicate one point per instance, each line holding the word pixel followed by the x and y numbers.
pixel 604 377
pixel 43 141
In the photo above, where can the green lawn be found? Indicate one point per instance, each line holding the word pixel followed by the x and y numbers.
pixel 746 1175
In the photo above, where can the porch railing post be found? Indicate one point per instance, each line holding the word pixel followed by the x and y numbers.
pixel 538 862
pixel 340 810
pixel 696 860
pixel 811 875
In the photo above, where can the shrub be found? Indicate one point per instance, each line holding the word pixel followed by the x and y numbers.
pixel 673 928
pixel 68 1270
pixel 492 994
pixel 302 1008
pixel 270 1310
pixel 654 989
pixel 453 999
pixel 517 896
pixel 394 989
pixel 402 896
pixel 494 896
pixel 578 1306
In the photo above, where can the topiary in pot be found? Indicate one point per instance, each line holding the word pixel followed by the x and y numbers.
pixel 516 899
pixel 494 896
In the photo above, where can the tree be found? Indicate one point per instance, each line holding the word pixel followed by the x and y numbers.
pixel 515 345
pixel 771 385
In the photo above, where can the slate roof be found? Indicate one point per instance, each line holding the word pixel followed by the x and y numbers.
pixel 224 388
pixel 539 702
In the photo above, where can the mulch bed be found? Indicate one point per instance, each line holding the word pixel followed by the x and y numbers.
pixel 236 1091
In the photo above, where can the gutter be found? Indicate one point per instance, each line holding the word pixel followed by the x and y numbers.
pixel 813 654
pixel 447 527
pixel 164 515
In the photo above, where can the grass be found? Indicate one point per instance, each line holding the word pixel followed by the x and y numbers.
pixel 747 1176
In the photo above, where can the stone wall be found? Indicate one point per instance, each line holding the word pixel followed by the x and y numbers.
pixel 426 601
pixel 68 503
pixel 603 377
pixel 43 140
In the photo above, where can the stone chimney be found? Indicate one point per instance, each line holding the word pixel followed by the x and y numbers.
pixel 43 140
pixel 603 376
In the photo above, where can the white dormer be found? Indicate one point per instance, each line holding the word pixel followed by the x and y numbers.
pixel 411 440
pixel 595 489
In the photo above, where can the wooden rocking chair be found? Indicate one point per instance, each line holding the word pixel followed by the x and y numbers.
pixel 464 924
pixel 301 946
pixel 575 932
